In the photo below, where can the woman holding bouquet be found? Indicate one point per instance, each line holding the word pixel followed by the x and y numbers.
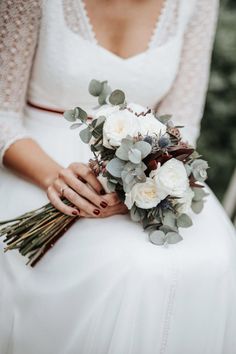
pixel 104 288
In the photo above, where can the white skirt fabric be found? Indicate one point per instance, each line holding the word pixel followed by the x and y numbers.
pixel 104 288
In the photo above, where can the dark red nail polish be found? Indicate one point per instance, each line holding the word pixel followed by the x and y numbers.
pixel 102 192
pixel 103 204
pixel 75 213
pixel 96 211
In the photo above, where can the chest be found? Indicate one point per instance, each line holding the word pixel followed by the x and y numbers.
pixel 69 55
pixel 124 27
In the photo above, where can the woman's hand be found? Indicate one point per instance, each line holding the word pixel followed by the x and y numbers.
pixel 79 185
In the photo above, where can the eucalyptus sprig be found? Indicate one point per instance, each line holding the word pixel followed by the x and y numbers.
pixel 128 162
pixel 35 232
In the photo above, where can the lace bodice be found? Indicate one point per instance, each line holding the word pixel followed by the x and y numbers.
pixel 49 53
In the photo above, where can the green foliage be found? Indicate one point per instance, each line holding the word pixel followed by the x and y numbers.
pixel 99 89
pixel 218 138
pixel 117 97
pixel 184 221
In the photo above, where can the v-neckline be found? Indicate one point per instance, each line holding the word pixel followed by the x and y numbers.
pixel 92 34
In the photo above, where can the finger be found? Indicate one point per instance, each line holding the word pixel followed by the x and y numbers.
pixel 81 203
pixel 81 170
pixel 115 210
pixel 58 204
pixel 84 190
pixel 112 199
pixel 83 214
pixel 110 211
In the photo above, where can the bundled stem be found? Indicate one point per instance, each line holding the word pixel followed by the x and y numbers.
pixel 35 232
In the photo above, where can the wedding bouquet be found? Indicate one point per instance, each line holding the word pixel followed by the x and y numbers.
pixel 139 155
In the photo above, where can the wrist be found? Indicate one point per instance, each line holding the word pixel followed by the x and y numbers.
pixel 48 179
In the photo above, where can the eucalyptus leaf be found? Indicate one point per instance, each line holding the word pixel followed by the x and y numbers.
pixel 104 94
pixel 197 206
pixel 70 115
pixel 184 221
pixel 134 214
pixel 157 237
pixel 169 218
pixel 164 118
pixel 117 97
pixel 188 169
pixel 123 150
pixel 76 125
pixel 127 177
pixel 95 87
pixel 166 228
pixel 81 114
pixel 95 133
pixel 199 168
pixel 99 121
pixel 140 168
pixel 173 237
pixel 144 147
pixel 115 167
pixel 85 135
pixel 199 194
pixel 134 155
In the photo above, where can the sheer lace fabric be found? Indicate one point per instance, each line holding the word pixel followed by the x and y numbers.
pixel 78 21
pixel 187 95
pixel 19 25
pixel 19 28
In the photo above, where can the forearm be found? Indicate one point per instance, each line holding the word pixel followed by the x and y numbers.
pixel 26 158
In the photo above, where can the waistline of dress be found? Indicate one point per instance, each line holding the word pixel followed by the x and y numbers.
pixel 45 115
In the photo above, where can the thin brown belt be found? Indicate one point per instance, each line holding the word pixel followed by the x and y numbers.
pixel 47 109
pixel 43 108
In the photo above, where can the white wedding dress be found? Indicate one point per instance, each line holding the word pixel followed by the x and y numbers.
pixel 104 288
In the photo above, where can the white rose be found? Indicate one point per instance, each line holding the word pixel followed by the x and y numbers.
pixel 120 123
pixel 117 126
pixel 172 178
pixel 105 110
pixel 136 108
pixel 149 125
pixel 145 195
pixel 185 202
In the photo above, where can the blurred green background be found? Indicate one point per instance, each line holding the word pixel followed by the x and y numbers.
pixel 218 136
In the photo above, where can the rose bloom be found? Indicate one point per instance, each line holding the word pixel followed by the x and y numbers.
pixel 144 195
pixel 118 125
pixel 105 110
pixel 171 178
pixel 149 125
pixel 121 123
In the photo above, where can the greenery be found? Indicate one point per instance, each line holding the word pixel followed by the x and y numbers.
pixel 218 139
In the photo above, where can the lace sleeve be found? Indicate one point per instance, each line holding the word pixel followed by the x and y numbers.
pixel 186 98
pixel 19 24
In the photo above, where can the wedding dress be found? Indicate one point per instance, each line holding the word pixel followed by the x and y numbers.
pixel 104 288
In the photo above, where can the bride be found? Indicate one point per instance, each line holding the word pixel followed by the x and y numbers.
pixel 104 288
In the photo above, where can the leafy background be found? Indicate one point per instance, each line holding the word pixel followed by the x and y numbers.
pixel 218 137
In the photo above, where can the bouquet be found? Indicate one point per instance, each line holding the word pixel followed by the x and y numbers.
pixel 138 154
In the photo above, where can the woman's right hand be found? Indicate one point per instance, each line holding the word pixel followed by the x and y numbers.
pixel 79 185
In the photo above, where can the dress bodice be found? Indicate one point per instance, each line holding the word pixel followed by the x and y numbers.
pixel 71 57
pixel 56 40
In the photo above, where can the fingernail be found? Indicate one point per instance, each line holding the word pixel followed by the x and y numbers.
pixel 103 204
pixel 75 212
pixel 96 211
pixel 102 192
